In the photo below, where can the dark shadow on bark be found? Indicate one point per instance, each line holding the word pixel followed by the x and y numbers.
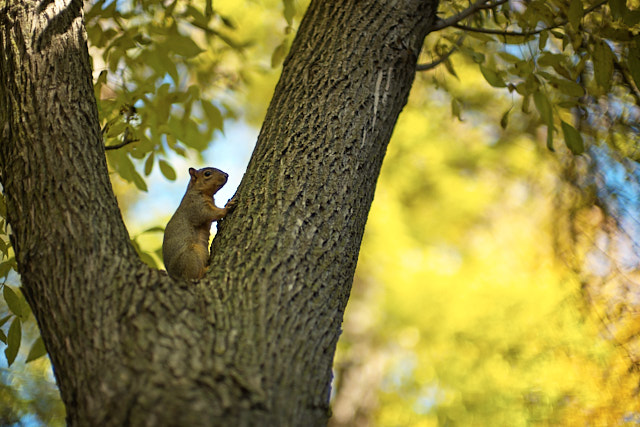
pixel 59 24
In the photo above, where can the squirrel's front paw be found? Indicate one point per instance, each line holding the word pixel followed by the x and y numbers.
pixel 231 204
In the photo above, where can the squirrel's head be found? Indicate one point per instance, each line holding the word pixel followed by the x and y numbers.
pixel 207 180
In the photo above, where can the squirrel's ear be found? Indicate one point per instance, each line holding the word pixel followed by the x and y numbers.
pixel 192 172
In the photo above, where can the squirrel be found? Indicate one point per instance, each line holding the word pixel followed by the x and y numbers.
pixel 185 247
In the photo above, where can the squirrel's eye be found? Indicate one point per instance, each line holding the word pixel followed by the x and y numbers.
pixel 207 173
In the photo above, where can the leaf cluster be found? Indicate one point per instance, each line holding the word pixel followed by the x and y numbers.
pixel 576 61
pixel 14 309
pixel 160 65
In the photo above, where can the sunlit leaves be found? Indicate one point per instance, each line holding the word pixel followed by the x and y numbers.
pixel 19 312
pixel 580 54
pixel 476 320
pixel 150 57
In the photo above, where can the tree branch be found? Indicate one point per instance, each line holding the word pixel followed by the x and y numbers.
pixel 431 65
pixel 521 33
pixel 624 72
pixel 505 32
pixel 125 141
pixel 477 6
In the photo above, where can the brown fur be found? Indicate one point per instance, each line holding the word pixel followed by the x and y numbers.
pixel 185 248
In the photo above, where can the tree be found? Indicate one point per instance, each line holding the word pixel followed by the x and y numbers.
pixel 254 341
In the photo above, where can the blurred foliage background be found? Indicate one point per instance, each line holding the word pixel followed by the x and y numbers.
pixel 498 279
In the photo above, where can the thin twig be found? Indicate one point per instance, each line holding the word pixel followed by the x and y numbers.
pixel 477 6
pixel 505 32
pixel 125 141
pixel 522 33
pixel 624 72
pixel 434 64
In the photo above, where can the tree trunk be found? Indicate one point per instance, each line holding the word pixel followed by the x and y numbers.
pixel 253 342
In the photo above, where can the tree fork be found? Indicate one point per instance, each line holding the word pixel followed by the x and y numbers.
pixel 253 342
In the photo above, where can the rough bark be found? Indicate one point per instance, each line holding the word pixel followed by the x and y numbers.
pixel 253 342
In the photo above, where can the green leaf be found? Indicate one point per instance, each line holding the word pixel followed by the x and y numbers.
pixel 13 300
pixel 167 170
pixel 289 11
pixel 492 77
pixel 634 64
pixel 4 247
pixel 3 337
pixel 148 164
pixel 139 181
pixel 168 11
pixel 631 18
pixel 455 108
pixel 156 229
pixel 198 17
pixel 570 88
pixel 546 113
pixel 544 108
pixel 618 8
pixel 572 138
pixel 278 55
pixel 509 57
pixel 602 58
pixel 26 308
pixel 37 350
pixel 567 87
pixel 575 13
pixel 526 101
pixel 449 66
pixel 13 341
pixel 3 206
pixel 476 57
pixel 100 81
pixel 182 45
pixel 550 138
pixel 542 42
pixel 213 114
pixel 516 39
pixel 148 259
pixel 504 120
pixel 144 256
pixel 4 319
pixel 548 59
pixel 5 268
pixel 484 38
pixel 124 167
